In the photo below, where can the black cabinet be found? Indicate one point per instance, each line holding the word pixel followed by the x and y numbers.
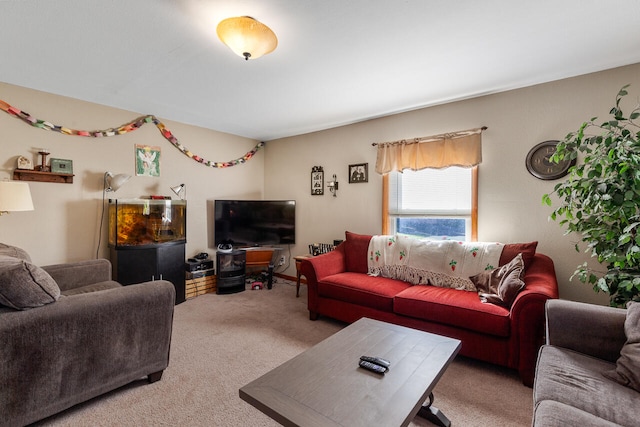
pixel 164 261
pixel 231 267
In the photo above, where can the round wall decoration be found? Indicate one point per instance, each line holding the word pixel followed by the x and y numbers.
pixel 539 165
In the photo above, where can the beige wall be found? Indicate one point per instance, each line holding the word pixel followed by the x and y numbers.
pixel 510 208
pixel 64 225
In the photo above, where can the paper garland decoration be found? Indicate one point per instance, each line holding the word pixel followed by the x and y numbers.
pixel 129 127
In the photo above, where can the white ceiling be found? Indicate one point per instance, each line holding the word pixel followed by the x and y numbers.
pixel 337 61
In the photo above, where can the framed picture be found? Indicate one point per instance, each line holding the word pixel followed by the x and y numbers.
pixel 147 160
pixel 317 181
pixel 61 166
pixel 358 173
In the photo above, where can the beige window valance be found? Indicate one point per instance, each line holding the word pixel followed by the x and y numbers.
pixel 463 148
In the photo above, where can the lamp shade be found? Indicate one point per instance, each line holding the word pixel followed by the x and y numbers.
pixel 180 190
pixel 247 37
pixel 114 182
pixel 15 196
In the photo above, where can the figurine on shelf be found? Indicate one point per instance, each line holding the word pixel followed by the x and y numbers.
pixel 24 163
pixel 43 167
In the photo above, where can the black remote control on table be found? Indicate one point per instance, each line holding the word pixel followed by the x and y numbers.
pixel 376 361
pixel 372 367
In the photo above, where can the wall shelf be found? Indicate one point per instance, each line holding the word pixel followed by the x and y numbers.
pixel 31 175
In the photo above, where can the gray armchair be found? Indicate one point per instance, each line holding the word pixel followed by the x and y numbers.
pixel 98 336
pixel 583 342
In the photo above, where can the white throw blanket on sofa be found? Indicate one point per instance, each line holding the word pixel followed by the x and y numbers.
pixel 444 263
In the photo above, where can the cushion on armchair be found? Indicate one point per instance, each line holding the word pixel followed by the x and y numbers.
pixel 627 370
pixel 14 251
pixel 24 285
pixel 93 287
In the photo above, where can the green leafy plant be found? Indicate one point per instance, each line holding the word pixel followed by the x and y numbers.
pixel 600 200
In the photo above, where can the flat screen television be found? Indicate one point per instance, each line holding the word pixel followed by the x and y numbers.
pixel 255 222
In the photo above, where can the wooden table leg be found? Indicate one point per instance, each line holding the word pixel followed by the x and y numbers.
pixel 298 260
pixel 433 414
pixel 298 281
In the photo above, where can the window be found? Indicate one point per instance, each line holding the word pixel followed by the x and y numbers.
pixel 431 203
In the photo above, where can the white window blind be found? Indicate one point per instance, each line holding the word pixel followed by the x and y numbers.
pixel 441 192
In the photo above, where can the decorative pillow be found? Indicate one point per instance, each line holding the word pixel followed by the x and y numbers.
pixel 14 251
pixel 510 250
pixel 501 285
pixel 627 370
pixel 355 252
pixel 24 285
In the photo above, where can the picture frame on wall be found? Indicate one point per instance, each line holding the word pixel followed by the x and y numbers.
pixel 61 166
pixel 358 173
pixel 147 160
pixel 317 181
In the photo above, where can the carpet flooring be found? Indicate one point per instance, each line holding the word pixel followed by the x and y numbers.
pixel 222 342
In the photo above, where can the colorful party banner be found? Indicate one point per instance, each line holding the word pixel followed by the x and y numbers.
pixel 126 128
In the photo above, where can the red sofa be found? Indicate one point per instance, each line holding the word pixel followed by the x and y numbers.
pixel 339 287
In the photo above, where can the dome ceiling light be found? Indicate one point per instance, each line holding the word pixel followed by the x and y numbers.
pixel 247 37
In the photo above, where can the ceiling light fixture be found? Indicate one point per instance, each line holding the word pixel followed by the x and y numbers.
pixel 247 37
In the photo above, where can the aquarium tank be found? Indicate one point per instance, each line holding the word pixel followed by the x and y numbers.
pixel 137 222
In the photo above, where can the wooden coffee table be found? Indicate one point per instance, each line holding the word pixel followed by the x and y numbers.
pixel 324 386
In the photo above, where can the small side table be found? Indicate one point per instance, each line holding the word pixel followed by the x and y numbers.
pixel 298 259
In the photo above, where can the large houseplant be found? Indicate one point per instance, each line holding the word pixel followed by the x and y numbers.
pixel 600 200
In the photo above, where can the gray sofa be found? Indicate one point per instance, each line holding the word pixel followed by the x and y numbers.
pixel 583 342
pixel 91 337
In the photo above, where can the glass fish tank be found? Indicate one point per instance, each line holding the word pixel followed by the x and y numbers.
pixel 137 222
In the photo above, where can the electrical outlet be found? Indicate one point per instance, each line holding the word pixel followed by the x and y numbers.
pixel 282 261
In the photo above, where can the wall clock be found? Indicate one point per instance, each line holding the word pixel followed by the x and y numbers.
pixel 539 165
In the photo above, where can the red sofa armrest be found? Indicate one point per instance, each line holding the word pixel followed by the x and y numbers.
pixel 528 315
pixel 317 268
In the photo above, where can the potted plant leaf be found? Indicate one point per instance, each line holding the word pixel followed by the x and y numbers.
pixel 600 200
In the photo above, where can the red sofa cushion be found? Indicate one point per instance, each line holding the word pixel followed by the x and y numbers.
pixel 452 307
pixel 360 289
pixel 355 252
pixel 511 250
